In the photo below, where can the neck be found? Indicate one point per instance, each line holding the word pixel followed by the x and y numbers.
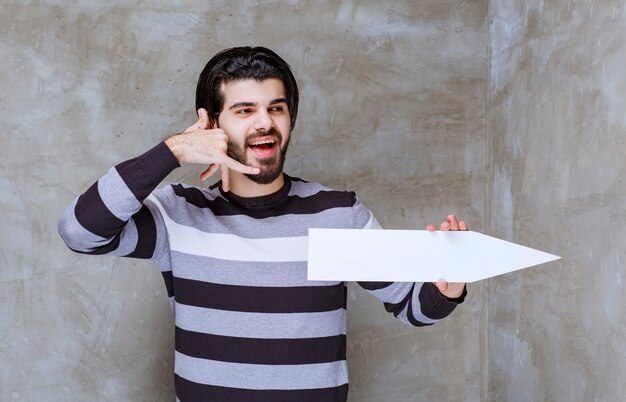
pixel 242 186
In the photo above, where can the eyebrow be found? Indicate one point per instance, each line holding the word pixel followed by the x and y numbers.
pixel 254 104
pixel 279 100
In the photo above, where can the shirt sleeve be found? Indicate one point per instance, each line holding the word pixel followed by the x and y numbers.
pixel 418 304
pixel 111 216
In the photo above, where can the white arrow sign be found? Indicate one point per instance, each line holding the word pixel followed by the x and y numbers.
pixel 414 256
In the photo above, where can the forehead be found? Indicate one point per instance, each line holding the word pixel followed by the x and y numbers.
pixel 253 91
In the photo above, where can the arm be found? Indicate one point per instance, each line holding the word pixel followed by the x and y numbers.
pixel 418 303
pixel 111 216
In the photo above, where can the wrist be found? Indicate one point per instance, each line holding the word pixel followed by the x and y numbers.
pixel 176 145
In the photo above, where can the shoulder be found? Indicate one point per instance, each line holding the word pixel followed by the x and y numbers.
pixel 323 198
pixel 321 194
pixel 179 193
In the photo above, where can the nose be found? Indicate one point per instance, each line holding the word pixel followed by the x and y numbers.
pixel 263 121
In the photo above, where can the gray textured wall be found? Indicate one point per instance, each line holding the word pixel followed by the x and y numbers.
pixel 393 107
pixel 557 129
pixel 510 113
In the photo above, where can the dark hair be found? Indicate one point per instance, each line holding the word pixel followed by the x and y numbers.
pixel 240 63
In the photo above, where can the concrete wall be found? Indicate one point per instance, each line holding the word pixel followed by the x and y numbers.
pixel 557 128
pixel 393 107
pixel 509 113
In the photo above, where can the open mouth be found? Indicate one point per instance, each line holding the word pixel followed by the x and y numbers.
pixel 263 147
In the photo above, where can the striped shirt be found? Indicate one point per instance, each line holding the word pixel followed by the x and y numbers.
pixel 249 325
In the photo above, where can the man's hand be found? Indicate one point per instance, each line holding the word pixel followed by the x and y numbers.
pixel 451 290
pixel 200 144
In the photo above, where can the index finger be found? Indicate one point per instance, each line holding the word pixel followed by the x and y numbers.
pixel 454 223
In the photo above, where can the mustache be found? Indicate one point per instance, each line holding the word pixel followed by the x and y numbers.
pixel 263 133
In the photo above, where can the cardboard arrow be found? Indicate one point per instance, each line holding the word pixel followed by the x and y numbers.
pixel 414 256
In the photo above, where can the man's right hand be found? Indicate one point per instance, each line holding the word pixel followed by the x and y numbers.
pixel 201 144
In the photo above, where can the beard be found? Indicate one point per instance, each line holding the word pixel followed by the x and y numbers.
pixel 271 167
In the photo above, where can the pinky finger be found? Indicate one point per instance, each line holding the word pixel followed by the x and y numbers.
pixel 225 178
pixel 463 226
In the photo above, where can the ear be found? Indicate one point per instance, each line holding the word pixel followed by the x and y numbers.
pixel 213 123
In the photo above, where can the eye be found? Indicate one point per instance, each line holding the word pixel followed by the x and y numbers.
pixel 244 111
pixel 276 109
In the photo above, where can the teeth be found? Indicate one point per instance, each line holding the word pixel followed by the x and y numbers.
pixel 262 142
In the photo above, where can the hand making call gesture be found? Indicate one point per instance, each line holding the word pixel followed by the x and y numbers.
pixel 451 290
pixel 200 143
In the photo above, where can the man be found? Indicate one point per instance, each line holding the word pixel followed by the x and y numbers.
pixel 249 326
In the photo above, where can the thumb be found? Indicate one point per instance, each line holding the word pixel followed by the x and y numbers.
pixel 442 286
pixel 203 119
